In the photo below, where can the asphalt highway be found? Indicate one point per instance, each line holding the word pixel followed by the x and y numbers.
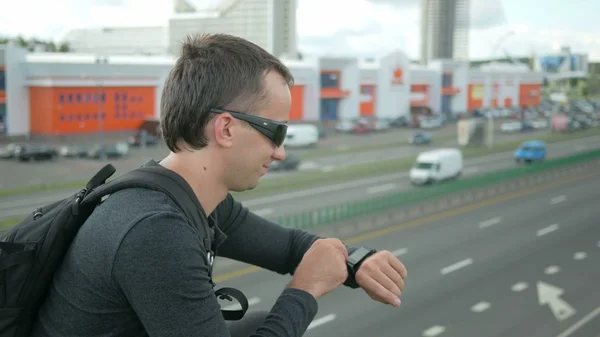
pixel 314 198
pixel 521 266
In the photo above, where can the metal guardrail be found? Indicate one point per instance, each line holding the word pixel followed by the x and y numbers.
pixel 311 220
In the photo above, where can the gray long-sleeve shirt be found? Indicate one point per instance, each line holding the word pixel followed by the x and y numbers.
pixel 137 268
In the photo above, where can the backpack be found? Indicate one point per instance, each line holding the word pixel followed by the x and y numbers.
pixel 31 251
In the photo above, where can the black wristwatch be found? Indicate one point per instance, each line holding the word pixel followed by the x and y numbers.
pixel 355 259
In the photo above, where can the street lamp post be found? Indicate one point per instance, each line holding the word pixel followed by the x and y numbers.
pixel 100 89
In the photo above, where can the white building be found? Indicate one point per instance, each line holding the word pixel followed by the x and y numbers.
pixel 151 40
pixel 270 24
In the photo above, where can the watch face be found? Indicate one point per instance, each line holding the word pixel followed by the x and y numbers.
pixel 358 255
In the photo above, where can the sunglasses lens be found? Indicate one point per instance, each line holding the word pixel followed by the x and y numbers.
pixel 280 134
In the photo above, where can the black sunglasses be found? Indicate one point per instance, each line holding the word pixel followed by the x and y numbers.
pixel 274 130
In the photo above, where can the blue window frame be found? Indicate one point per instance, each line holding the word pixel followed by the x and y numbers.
pixel 2 80
pixel 329 80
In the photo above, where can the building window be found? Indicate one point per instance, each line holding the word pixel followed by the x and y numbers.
pixel 330 80
pixel 61 99
pixel 70 98
pixel 2 80
pixel 87 98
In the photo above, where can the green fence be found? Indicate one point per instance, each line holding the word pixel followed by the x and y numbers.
pixel 332 214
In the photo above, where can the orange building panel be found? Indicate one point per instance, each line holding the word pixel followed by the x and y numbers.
pixel 530 94
pixel 475 96
pixel 297 110
pixel 56 111
pixel 423 95
pixel 367 108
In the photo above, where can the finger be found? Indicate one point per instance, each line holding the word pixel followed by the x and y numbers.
pixel 342 248
pixel 379 292
pixel 395 277
pixel 382 276
pixel 398 265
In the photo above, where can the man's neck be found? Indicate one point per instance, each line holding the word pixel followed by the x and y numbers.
pixel 202 175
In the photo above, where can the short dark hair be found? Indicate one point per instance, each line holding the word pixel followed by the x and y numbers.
pixel 213 71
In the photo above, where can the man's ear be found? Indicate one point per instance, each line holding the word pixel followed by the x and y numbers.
pixel 224 129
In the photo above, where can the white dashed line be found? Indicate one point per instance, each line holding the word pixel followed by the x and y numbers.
pixel 579 255
pixel 552 270
pixel 320 321
pixel 400 251
pixel 481 307
pixel 264 212
pixel 558 199
pixel 236 306
pixel 456 266
pixel 381 188
pixel 518 287
pixel 580 323
pixel 547 230
pixel 490 222
pixel 434 331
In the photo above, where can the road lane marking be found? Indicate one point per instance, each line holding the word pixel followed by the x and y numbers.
pixel 400 252
pixel 434 331
pixel 381 188
pixel 428 219
pixel 547 230
pixel 490 222
pixel 552 270
pixel 580 255
pixel 264 212
pixel 519 286
pixel 558 199
pixel 456 266
pixel 320 321
pixel 481 307
pixel 236 306
pixel 580 323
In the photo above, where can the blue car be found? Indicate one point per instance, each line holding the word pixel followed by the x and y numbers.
pixel 530 151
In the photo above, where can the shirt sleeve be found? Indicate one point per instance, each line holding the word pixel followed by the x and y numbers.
pixel 162 270
pixel 258 241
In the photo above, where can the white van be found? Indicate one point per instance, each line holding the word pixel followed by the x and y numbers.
pixel 436 165
pixel 302 135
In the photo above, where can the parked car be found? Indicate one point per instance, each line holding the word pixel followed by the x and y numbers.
pixel 36 152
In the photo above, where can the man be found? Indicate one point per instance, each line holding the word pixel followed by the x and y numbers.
pixel 136 268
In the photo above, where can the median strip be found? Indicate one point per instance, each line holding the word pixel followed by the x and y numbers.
pixel 304 180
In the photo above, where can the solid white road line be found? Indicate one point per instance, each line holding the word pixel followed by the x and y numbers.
pixel 558 199
pixel 251 301
pixel 381 188
pixel 434 331
pixel 481 307
pixel 552 270
pixel 320 321
pixel 456 266
pixel 518 287
pixel 580 323
pixel 547 230
pixel 400 252
pixel 580 255
pixel 490 222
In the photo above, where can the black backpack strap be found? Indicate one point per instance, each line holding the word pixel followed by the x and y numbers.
pixel 160 179
pixel 228 293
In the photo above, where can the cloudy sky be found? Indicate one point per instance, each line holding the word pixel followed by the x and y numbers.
pixel 357 27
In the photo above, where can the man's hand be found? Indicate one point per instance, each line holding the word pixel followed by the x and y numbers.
pixel 382 276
